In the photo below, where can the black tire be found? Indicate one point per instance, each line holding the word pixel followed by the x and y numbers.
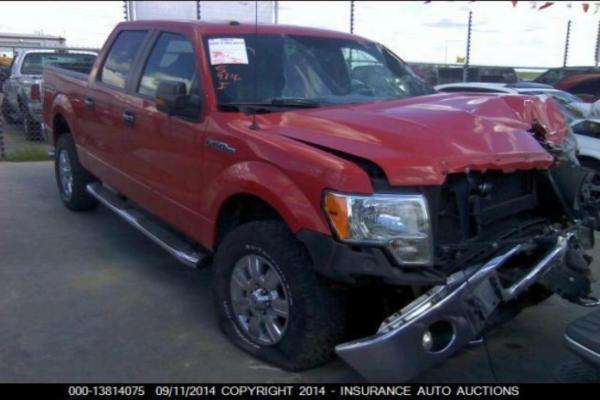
pixel 316 312
pixel 77 198
pixel 32 128
pixel 7 112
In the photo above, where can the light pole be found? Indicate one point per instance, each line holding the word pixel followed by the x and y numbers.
pixel 468 57
pixel 352 16
pixel 567 43
pixel 597 50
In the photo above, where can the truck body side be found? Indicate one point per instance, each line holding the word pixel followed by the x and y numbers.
pixel 451 207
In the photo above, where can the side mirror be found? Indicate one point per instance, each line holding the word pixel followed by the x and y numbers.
pixel 171 98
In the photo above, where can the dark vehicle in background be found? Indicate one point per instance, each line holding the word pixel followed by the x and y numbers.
pixel 22 88
pixel 436 74
pixel 586 86
pixel 554 75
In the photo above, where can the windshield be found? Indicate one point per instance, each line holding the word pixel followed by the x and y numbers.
pixel 34 63
pixel 307 70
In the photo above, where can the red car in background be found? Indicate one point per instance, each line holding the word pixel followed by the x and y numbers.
pixel 585 86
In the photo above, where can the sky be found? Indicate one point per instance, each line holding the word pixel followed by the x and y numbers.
pixel 433 32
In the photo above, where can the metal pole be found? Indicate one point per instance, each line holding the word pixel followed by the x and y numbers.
pixel 567 43
pixel 596 55
pixel 198 10
pixel 125 10
pixel 276 12
pixel 468 57
pixel 352 16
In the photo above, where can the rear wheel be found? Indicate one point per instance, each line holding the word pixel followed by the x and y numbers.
pixel 32 128
pixel 71 177
pixel 7 112
pixel 271 303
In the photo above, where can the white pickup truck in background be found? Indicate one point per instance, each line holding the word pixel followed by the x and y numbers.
pixel 22 89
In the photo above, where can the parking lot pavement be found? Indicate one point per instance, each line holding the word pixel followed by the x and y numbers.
pixel 86 298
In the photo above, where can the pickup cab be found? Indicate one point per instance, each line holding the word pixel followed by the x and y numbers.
pixel 344 206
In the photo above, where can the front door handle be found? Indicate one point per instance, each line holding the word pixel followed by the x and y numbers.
pixel 89 103
pixel 129 118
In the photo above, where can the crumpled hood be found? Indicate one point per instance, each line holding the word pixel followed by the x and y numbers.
pixel 417 141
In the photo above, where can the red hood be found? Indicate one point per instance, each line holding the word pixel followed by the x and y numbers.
pixel 417 141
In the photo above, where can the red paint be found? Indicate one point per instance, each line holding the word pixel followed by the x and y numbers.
pixel 164 165
pixel 570 83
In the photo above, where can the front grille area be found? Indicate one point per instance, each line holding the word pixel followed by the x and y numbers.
pixel 475 213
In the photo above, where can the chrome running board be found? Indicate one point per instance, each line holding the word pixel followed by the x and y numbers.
pixel 177 245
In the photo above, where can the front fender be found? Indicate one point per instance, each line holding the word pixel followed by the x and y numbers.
pixel 270 184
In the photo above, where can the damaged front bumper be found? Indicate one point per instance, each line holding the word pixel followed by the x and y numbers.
pixel 443 320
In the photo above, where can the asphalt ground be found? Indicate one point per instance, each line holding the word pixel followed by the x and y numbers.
pixel 86 298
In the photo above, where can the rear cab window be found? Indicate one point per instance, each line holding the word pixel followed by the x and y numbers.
pixel 34 63
pixel 120 58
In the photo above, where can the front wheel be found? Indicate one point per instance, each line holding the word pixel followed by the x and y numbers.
pixel 271 302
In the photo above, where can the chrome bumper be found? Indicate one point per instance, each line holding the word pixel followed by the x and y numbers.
pixel 443 320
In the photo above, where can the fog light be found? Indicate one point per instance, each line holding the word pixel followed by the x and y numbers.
pixel 427 340
pixel 438 337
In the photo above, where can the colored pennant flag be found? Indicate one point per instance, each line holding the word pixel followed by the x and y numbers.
pixel 546 5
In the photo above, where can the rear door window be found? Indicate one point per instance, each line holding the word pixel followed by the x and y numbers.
pixel 171 59
pixel 120 59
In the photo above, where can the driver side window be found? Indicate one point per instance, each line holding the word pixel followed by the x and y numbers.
pixel 171 59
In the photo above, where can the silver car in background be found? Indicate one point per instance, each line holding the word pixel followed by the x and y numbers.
pixel 22 89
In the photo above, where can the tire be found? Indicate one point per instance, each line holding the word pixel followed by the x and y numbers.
pixel 7 112
pixel 72 190
pixel 32 128
pixel 316 314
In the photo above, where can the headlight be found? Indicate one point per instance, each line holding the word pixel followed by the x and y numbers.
pixel 398 222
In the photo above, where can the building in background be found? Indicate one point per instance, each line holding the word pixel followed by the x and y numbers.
pixel 241 11
pixel 11 41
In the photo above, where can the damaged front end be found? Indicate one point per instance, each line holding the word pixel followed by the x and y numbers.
pixel 498 237
pixel 447 317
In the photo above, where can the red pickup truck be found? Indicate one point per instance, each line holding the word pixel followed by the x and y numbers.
pixel 328 186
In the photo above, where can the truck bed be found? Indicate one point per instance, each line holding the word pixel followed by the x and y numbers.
pixel 57 81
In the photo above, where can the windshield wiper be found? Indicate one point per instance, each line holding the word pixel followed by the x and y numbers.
pixel 294 102
pixel 280 102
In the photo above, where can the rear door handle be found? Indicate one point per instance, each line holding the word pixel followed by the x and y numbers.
pixel 89 103
pixel 129 118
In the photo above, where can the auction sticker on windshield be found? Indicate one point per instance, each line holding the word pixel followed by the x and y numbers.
pixel 227 51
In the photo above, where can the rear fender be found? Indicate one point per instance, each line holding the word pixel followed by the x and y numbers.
pixel 61 106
